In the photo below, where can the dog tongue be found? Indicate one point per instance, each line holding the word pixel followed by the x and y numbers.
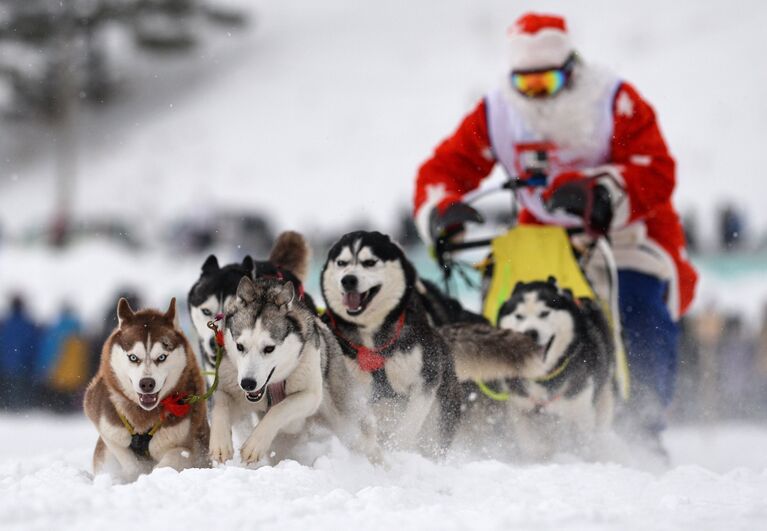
pixel 352 300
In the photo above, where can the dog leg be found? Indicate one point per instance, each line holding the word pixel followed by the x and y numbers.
pixel 294 407
pixel 117 441
pixel 360 435
pixel 405 435
pixel 221 448
pixel 129 464
pixel 177 458
pixel 604 439
pixel 529 437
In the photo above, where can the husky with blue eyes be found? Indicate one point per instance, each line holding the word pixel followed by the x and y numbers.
pixel 568 403
pixel 137 399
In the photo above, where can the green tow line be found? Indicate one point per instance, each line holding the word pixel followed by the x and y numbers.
pixel 219 356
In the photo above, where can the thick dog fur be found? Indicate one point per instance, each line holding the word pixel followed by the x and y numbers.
pixel 568 405
pixel 375 300
pixel 272 337
pixel 217 285
pixel 146 345
pixel 483 352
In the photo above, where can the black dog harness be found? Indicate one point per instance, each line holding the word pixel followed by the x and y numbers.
pixel 139 442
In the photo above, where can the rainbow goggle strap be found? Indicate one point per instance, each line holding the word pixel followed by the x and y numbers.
pixel 541 83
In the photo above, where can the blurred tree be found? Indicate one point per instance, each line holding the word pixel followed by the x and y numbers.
pixel 52 57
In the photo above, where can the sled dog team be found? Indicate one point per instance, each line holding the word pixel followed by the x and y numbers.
pixel 387 365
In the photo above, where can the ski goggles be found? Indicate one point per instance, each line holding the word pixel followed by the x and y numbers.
pixel 542 83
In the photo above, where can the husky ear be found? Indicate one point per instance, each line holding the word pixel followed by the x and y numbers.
pixel 567 292
pixel 552 280
pixel 246 290
pixel 518 286
pixel 170 314
pixel 287 295
pixel 210 265
pixel 247 263
pixel 124 311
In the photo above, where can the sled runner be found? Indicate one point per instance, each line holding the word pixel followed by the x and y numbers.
pixel 582 263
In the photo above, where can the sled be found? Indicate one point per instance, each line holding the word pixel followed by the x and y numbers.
pixel 527 253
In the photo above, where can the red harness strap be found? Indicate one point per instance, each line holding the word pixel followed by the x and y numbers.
pixel 370 359
pixel 175 405
pixel 275 393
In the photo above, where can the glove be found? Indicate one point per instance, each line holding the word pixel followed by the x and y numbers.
pixel 584 197
pixel 450 223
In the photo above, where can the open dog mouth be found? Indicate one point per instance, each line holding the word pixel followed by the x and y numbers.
pixel 148 400
pixel 356 302
pixel 548 346
pixel 258 394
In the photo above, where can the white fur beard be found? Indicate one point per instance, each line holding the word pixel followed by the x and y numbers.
pixel 571 118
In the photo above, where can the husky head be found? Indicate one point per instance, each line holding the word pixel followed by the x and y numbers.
pixel 265 329
pixel 546 314
pixel 366 278
pixel 209 295
pixel 146 355
pixel 217 286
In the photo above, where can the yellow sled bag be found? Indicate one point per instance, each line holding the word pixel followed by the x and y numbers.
pixel 529 253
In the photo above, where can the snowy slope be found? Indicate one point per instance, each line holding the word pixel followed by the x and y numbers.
pixel 42 488
pixel 342 100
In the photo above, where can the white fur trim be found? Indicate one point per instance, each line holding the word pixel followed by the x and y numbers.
pixel 545 48
pixel 434 194
pixel 640 160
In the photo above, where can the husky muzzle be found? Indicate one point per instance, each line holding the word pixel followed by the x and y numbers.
pixel 249 384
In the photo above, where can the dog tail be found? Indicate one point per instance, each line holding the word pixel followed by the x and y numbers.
pixel 484 352
pixel 292 252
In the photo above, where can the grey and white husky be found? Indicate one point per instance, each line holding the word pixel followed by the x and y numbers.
pixel 273 368
pixel 407 370
pixel 567 405
pixel 217 285
pixel 284 365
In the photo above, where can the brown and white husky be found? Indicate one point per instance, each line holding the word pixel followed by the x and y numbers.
pixel 136 400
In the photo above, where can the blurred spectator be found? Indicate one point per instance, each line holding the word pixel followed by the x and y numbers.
pixel 19 341
pixel 761 358
pixel 736 368
pixel 690 226
pixel 708 330
pixel 731 227
pixel 62 367
pixel 687 405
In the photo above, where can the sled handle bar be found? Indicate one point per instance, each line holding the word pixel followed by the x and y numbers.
pixel 512 184
pixel 451 247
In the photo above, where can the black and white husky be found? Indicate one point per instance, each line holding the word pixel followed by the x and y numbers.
pixel 569 401
pixel 402 366
pixel 217 285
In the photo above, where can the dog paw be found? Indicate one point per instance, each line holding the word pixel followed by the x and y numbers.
pixel 255 448
pixel 375 455
pixel 221 449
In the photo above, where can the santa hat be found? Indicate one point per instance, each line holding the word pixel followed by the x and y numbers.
pixel 538 41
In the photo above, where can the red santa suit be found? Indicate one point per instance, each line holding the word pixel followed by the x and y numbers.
pixel 600 125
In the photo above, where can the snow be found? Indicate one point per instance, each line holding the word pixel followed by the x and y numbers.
pixel 718 480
